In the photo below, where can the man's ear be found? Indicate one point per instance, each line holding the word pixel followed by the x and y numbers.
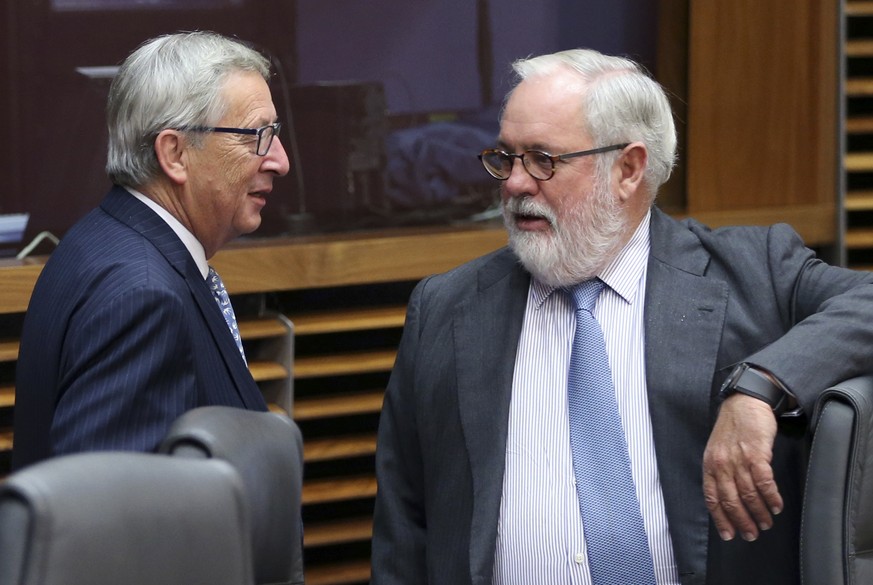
pixel 631 169
pixel 170 149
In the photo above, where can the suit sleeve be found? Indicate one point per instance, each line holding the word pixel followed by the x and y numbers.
pixel 827 312
pixel 399 524
pixel 127 373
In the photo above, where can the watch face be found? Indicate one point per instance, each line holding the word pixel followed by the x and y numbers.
pixel 733 377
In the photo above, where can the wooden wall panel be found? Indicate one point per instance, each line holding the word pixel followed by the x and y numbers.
pixel 762 109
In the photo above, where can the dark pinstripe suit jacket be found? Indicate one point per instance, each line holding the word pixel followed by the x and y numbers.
pixel 713 298
pixel 122 335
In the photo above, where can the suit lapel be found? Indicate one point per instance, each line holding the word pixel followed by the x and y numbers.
pixel 129 210
pixel 242 377
pixel 684 319
pixel 486 331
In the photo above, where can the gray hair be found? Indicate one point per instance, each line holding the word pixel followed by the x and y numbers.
pixel 171 81
pixel 621 103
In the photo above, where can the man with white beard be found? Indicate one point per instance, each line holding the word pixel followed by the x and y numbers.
pixel 519 445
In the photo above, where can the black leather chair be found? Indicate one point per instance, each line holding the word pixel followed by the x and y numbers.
pixel 836 546
pixel 132 518
pixel 267 450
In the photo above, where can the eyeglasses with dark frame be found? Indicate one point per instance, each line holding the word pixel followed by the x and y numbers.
pixel 539 165
pixel 265 134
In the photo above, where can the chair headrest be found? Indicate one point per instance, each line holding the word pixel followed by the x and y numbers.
pixel 266 449
pixel 135 518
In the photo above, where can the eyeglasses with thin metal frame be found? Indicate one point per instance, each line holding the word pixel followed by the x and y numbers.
pixel 539 165
pixel 265 134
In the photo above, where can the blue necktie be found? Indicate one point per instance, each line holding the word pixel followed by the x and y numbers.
pixel 223 300
pixel 618 549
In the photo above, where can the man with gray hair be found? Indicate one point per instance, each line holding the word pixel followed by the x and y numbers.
pixel 128 326
pixel 600 402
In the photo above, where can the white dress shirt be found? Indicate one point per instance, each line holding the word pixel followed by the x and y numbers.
pixel 540 535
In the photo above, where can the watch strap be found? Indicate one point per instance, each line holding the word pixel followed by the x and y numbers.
pixel 747 380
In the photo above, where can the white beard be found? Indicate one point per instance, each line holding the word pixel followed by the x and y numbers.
pixel 578 246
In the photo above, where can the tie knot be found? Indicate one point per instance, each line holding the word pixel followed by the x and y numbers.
pixel 585 294
pixel 214 280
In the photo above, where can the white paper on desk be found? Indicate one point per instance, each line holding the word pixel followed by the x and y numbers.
pixel 12 227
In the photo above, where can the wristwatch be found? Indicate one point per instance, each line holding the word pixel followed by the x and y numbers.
pixel 750 381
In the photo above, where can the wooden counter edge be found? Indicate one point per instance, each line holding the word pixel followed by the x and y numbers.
pixel 275 264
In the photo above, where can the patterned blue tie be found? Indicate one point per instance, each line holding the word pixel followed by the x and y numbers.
pixel 618 549
pixel 223 300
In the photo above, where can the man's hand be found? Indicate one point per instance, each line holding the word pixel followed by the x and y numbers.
pixel 738 483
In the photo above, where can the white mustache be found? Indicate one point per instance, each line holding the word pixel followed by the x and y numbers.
pixel 527 206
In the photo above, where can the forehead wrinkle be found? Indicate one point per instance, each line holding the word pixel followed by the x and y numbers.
pixel 253 108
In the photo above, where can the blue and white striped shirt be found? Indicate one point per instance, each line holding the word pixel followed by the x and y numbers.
pixel 540 536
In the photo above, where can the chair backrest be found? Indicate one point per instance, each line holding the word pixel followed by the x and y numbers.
pixel 836 543
pixel 267 450
pixel 133 518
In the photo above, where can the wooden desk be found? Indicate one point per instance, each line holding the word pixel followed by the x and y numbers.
pixel 330 374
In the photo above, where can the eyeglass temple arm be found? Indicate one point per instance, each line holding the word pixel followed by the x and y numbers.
pixel 593 151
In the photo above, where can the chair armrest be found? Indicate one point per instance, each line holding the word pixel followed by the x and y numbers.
pixel 836 543
pixel 856 392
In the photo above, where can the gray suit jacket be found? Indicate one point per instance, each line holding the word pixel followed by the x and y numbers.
pixel 714 298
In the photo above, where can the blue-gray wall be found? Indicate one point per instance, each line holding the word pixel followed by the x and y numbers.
pixel 425 52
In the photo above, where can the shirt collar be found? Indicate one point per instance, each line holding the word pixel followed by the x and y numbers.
pixel 195 248
pixel 621 275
